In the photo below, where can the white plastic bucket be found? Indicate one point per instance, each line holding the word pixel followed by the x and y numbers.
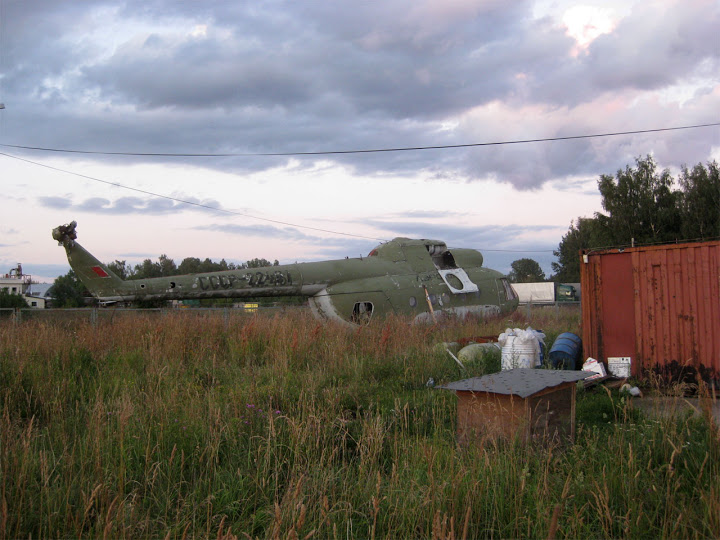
pixel 519 355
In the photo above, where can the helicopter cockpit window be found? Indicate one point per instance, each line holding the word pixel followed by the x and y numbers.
pixel 455 278
pixel 441 257
pixel 447 261
pixel 362 312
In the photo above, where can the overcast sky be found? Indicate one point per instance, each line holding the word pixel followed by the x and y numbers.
pixel 234 77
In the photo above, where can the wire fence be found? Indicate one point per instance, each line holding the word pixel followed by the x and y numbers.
pixel 106 315
pixel 564 306
pixel 96 315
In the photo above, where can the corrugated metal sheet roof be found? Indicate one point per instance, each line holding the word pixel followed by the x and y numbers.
pixel 521 382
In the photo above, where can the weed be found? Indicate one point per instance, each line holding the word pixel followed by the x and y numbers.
pixel 270 426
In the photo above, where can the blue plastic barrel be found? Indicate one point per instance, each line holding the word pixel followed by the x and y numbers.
pixel 565 352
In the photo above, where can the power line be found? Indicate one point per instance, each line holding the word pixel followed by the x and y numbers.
pixel 366 151
pixel 232 212
pixel 183 201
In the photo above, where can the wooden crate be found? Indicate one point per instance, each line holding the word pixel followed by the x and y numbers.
pixel 528 404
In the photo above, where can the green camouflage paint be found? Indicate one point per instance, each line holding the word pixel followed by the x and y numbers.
pixel 402 276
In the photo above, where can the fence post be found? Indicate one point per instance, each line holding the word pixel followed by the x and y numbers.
pixel 94 317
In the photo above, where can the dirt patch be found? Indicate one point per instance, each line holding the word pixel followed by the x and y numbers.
pixel 662 406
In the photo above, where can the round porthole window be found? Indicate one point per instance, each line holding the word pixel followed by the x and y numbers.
pixel 413 301
pixel 454 282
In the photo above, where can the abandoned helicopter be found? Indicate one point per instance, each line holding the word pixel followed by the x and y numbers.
pixel 422 279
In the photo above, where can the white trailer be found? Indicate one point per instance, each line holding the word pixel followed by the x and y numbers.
pixel 535 293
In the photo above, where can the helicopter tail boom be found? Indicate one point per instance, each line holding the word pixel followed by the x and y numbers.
pixel 96 276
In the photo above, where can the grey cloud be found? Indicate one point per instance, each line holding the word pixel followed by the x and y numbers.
pixel 264 231
pixel 421 214
pixel 319 248
pixel 458 235
pixel 306 77
pixel 200 76
pixel 339 244
pixel 129 205
pixel 656 47
pixel 95 204
pixel 59 203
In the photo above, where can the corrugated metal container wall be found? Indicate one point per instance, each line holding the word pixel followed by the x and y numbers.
pixel 658 306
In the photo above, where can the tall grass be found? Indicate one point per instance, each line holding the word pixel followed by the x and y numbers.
pixel 180 426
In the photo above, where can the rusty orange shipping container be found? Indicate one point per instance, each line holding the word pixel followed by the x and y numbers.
pixel 657 307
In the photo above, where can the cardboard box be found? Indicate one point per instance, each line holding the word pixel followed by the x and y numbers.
pixel 619 366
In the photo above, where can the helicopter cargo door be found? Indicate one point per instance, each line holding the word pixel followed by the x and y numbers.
pixel 357 302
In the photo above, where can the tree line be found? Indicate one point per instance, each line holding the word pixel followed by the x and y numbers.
pixel 165 267
pixel 68 290
pixel 644 205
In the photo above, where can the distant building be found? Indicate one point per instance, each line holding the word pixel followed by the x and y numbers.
pixel 546 292
pixel 15 282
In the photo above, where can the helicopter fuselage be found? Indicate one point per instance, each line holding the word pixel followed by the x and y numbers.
pixel 421 279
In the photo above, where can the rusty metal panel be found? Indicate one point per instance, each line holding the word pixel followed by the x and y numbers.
pixel 617 296
pixel 658 305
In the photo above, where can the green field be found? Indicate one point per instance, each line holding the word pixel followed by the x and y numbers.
pixel 186 425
